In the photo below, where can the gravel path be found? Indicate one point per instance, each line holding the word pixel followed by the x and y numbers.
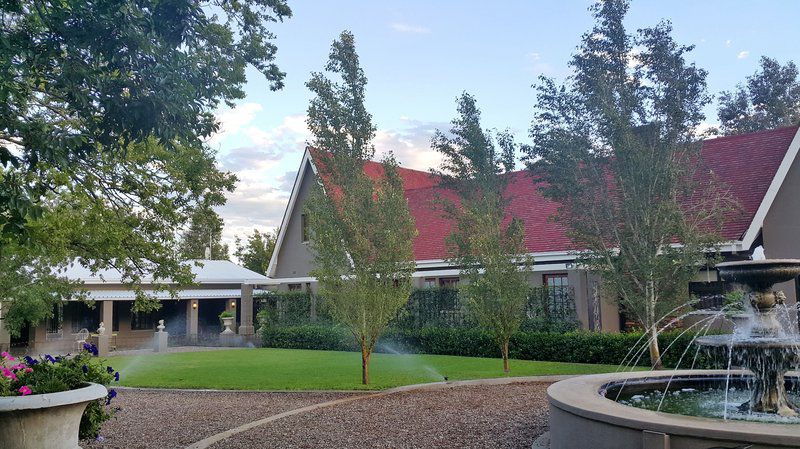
pixel 507 416
pixel 172 419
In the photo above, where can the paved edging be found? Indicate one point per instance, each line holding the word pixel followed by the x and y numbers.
pixel 213 439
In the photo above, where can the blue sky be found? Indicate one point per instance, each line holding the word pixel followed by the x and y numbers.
pixel 419 55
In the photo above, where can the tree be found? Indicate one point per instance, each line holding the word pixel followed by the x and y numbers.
pixel 487 242
pixel 616 148
pixel 361 228
pixel 256 251
pixel 205 231
pixel 105 110
pixel 770 99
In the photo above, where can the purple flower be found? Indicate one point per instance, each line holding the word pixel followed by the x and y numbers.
pixel 111 395
pixel 109 369
pixel 85 369
pixel 30 360
pixel 116 376
pixel 49 358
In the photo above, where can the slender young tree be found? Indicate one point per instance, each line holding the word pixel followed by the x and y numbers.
pixel 487 241
pixel 361 228
pixel 616 147
pixel 770 99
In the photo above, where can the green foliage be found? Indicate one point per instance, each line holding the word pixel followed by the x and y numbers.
pixel 616 148
pixel 146 70
pixel 205 231
pixel 292 309
pixel 226 314
pixel 102 153
pixel 770 99
pixel 573 347
pixel 256 251
pixel 487 242
pixel 361 229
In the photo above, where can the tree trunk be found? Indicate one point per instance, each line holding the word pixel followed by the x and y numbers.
pixel 365 355
pixel 505 357
pixel 655 353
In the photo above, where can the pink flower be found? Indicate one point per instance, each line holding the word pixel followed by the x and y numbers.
pixel 6 355
pixel 18 367
pixel 25 390
pixel 8 373
pixel 28 369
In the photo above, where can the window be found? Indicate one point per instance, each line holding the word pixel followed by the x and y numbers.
pixel 141 321
pixel 557 289
pixel 304 228
pixel 295 287
pixel 556 280
pixel 451 282
pixel 429 283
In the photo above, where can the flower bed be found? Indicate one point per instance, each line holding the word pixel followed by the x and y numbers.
pixel 47 374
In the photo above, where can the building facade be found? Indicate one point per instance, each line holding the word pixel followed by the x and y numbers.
pixel 191 318
pixel 760 171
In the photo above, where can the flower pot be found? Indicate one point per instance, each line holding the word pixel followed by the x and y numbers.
pixel 45 421
pixel 228 322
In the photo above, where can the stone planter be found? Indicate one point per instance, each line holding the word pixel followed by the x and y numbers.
pixel 45 421
pixel 228 322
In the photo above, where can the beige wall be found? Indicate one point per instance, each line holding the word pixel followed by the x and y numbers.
pixel 781 229
pixel 295 258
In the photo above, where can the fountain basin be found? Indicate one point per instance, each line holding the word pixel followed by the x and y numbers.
pixel 581 416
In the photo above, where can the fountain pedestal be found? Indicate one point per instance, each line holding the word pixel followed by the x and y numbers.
pixel 766 350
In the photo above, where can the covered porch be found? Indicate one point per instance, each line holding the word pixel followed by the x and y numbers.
pixel 190 319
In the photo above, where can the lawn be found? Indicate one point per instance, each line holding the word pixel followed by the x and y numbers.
pixel 293 369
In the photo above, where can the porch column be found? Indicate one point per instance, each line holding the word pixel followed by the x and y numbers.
pixel 246 311
pixel 191 320
pixel 107 324
pixel 5 336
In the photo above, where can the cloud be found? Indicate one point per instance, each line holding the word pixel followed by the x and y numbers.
pixel 535 65
pixel 232 120
pixel 728 43
pixel 250 157
pixel 411 144
pixel 408 28
pixel 286 180
pixel 743 54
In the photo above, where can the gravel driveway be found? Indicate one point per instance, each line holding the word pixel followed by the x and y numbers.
pixel 508 416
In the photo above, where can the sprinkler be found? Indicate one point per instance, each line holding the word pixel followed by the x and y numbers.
pixel 445 378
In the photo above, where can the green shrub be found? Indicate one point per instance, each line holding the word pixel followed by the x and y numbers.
pixel 575 347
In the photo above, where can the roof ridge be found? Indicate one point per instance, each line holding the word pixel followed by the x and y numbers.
pixel 754 133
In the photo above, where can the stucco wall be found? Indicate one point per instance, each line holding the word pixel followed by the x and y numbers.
pixel 295 258
pixel 781 229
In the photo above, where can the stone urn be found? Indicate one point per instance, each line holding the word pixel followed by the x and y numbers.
pixel 228 322
pixel 45 421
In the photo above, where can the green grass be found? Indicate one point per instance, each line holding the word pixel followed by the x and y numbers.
pixel 294 369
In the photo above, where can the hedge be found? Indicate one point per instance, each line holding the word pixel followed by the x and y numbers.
pixel 576 347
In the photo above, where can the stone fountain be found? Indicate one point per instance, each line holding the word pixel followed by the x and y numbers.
pixel 747 404
pixel 767 350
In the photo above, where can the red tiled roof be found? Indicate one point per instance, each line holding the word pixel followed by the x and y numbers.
pixel 747 163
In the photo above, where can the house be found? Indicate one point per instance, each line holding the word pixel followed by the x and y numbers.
pixel 760 169
pixel 191 318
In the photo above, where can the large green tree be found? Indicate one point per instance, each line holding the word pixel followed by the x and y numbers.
pixel 255 252
pixel 487 242
pixel 617 149
pixel 103 113
pixel 769 99
pixel 204 232
pixel 361 228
